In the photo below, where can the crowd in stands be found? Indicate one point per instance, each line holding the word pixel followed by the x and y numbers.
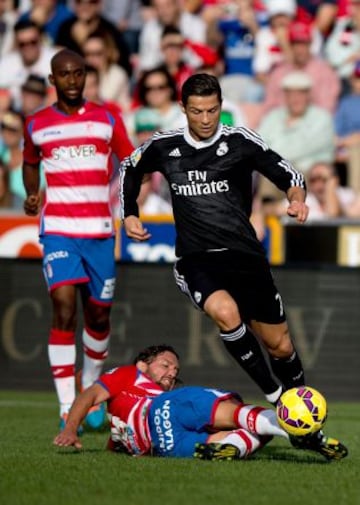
pixel 289 69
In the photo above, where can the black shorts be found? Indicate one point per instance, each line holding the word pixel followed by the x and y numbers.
pixel 247 278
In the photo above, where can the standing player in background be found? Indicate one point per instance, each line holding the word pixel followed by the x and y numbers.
pixel 222 267
pixel 73 141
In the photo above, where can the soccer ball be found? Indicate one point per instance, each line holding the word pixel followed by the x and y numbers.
pixel 301 411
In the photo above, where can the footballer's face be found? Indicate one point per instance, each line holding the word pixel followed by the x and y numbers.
pixel 68 77
pixel 163 370
pixel 203 115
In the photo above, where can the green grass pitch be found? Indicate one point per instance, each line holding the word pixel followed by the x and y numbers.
pixel 34 472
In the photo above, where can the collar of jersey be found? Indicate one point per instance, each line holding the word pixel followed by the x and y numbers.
pixel 200 144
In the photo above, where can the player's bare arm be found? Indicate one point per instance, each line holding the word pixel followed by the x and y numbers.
pixel 134 229
pixel 92 396
pixel 31 178
pixel 297 207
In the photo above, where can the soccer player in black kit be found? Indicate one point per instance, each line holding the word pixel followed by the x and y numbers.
pixel 222 266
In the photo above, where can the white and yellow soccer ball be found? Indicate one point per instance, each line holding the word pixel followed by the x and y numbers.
pixel 301 411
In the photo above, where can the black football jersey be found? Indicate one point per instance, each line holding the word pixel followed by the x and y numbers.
pixel 211 184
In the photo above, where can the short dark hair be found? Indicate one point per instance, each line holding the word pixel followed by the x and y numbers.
pixel 141 87
pixel 90 69
pixel 200 85
pixel 25 24
pixel 170 30
pixel 149 353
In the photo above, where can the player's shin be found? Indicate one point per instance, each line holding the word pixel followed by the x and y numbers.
pixel 62 355
pixel 245 349
pixel 289 370
pixel 95 345
pixel 258 420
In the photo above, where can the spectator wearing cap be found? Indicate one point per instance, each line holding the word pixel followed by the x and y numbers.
pixel 31 56
pixel 146 122
pixel 326 84
pixel 272 44
pixel 302 132
pixel 342 48
pixel 33 94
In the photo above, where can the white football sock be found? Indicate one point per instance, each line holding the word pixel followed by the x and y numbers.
pixel 245 441
pixel 259 420
pixel 95 352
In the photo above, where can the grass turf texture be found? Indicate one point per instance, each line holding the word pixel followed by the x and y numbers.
pixel 33 471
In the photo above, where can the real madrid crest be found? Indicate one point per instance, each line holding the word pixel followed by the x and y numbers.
pixel 222 149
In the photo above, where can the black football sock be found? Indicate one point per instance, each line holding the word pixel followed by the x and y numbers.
pixel 289 371
pixel 245 349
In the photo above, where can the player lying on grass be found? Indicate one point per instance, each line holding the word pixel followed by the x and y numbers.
pixel 149 416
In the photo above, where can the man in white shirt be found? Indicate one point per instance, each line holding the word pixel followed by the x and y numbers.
pixel 168 12
pixel 30 56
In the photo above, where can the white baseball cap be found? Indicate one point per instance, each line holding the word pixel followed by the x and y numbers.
pixel 276 7
pixel 296 80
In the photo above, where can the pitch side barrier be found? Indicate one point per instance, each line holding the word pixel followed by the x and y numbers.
pixel 322 305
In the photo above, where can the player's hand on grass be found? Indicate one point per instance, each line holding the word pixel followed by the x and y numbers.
pixel 32 205
pixel 67 438
pixel 298 210
pixel 135 230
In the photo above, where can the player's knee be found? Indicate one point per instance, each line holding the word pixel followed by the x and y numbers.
pixel 226 315
pixel 98 318
pixel 64 316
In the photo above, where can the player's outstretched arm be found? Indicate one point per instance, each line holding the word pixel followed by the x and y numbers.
pixel 297 206
pixel 92 396
pixel 135 230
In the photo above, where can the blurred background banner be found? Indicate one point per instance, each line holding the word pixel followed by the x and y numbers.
pixel 160 248
pixel 149 309
pixel 335 242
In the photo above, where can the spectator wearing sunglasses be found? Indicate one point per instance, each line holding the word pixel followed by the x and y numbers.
pixel 326 198
pixel 30 56
pixel 156 91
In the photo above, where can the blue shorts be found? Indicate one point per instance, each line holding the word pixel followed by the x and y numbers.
pixel 78 261
pixel 181 418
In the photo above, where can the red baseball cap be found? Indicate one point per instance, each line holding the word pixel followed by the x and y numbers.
pixel 300 32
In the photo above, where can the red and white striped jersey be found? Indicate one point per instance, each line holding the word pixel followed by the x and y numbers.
pixel 75 153
pixel 130 398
